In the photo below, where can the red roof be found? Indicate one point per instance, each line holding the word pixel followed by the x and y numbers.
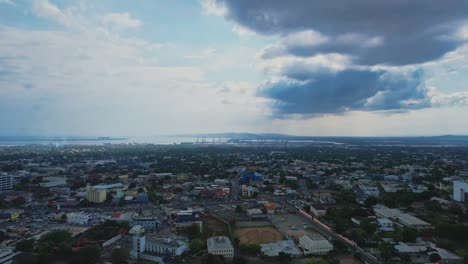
pixel 116 215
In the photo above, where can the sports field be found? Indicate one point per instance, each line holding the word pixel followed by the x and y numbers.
pixel 258 235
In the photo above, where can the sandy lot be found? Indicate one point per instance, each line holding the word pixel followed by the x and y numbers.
pixel 258 235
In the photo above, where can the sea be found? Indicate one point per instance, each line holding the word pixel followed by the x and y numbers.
pixel 63 140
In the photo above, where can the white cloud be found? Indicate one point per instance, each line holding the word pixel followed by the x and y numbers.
pixel 9 2
pixel 212 7
pixel 323 62
pixel 308 38
pixel 121 21
pixel 242 31
pixel 205 53
pixel 87 79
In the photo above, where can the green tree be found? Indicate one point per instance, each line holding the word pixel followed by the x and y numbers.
pixel 434 257
pixel 90 254
pixel 196 245
pixel 370 201
pixel 26 245
pixel 119 256
pixel 406 234
pixel 56 242
pixel 284 257
pixel 316 261
pixel 250 249
pixel 239 260
pixel 213 259
pixel 386 250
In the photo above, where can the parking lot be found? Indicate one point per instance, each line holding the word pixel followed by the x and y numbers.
pixel 292 225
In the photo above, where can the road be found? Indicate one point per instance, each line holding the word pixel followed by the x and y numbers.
pixel 329 233
pixel 304 189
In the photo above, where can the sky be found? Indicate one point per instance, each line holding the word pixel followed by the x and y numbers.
pixel 300 67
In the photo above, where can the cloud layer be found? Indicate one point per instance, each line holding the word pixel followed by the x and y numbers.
pixel 376 32
pixel 337 56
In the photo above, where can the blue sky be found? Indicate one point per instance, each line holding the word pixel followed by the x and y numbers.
pixel 158 67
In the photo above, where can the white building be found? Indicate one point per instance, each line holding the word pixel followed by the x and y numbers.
pixel 248 190
pixel 79 218
pixel 6 182
pixel 385 224
pixel 460 188
pixel 165 246
pixel 6 255
pixel 369 190
pixel 149 223
pixel 138 246
pixel 315 245
pixel 220 245
pixel 285 246
pixel 400 217
pixel 151 246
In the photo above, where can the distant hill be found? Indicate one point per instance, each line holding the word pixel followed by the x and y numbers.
pixel 422 140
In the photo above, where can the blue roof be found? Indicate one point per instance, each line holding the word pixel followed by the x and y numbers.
pixel 108 186
pixel 251 176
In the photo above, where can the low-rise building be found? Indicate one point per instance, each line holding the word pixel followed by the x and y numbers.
pixel 6 255
pixel 220 245
pixel 285 246
pixel 315 245
pixel 385 224
pixel 165 246
pixel 149 223
pixel 400 217
pixel 79 218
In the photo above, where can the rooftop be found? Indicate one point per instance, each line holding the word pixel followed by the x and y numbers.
pixel 219 242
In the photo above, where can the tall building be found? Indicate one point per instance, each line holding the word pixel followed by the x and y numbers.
pixel 460 189
pixel 6 182
pixel 95 195
pixel 138 246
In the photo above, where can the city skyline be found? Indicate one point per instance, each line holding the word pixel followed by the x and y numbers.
pixel 87 68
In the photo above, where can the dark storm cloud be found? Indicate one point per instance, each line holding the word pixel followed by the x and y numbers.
pixel 411 31
pixel 348 90
pixel 370 32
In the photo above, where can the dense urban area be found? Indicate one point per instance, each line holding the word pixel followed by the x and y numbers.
pixel 234 203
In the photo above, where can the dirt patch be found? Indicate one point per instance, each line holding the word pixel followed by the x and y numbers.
pixel 258 235
pixel 215 227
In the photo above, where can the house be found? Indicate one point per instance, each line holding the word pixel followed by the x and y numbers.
pixel 400 217
pixel 315 244
pixel 385 224
pixel 79 218
pixel 285 246
pixel 254 213
pixel 220 245
pixel 421 251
